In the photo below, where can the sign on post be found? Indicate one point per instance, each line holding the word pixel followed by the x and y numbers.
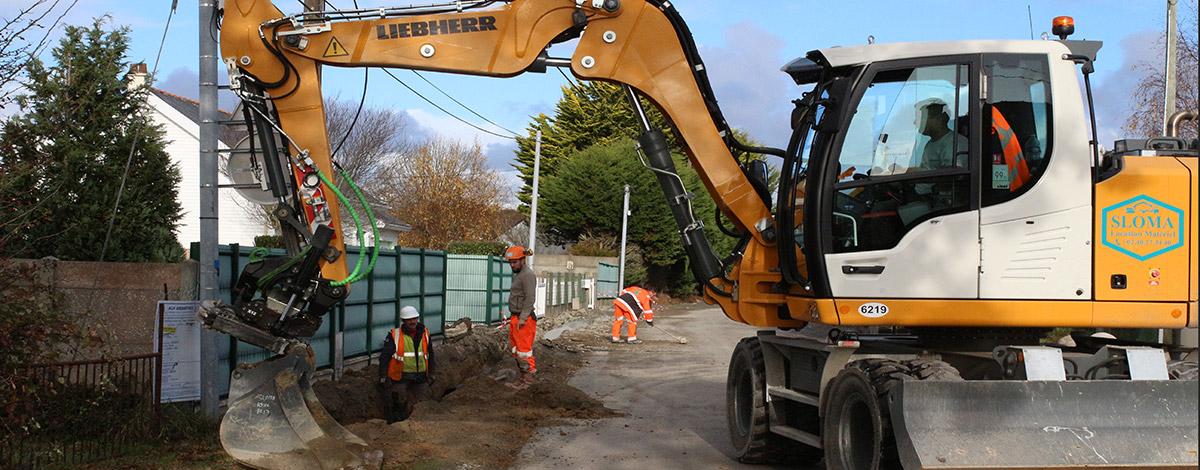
pixel 178 328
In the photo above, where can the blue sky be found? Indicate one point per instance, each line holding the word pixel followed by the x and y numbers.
pixel 744 43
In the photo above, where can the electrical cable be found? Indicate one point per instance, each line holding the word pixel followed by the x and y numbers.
pixel 431 103
pixel 468 108
pixel 136 138
pixel 567 77
pixel 354 122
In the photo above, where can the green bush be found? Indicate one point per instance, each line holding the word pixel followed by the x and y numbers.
pixel 476 248
pixel 268 241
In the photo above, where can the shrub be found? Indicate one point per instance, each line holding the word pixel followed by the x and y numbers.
pixel 268 241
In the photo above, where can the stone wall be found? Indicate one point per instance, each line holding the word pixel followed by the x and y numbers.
pixel 585 265
pixel 118 300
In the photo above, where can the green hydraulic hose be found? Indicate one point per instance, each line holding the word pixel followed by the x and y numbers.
pixel 371 220
pixel 357 226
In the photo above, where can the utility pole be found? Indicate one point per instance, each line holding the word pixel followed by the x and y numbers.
pixel 1169 75
pixel 209 289
pixel 624 227
pixel 537 169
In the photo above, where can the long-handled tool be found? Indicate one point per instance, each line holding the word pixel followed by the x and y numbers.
pixel 680 339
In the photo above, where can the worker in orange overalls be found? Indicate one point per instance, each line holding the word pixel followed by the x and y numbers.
pixel 522 324
pixel 632 304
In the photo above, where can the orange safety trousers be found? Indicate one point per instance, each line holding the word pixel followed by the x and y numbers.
pixel 521 339
pixel 621 315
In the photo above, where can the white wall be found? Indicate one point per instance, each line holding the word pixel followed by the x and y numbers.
pixel 183 145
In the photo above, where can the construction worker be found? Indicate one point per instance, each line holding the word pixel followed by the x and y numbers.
pixel 405 365
pixel 1009 169
pixel 522 324
pixel 945 145
pixel 632 304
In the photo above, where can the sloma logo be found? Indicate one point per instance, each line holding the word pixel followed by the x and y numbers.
pixel 433 28
pixel 1142 227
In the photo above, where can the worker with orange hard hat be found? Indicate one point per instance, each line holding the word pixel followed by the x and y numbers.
pixel 522 324
pixel 632 304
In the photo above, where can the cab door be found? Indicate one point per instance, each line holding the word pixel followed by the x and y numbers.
pixel 904 217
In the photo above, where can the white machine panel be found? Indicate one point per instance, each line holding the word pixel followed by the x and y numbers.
pixel 938 259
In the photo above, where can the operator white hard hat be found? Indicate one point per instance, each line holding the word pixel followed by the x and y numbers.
pixel 408 312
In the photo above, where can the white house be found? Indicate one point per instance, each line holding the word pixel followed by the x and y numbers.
pixel 179 118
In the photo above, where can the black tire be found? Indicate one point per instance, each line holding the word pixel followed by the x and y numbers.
pixel 853 430
pixel 857 431
pixel 746 409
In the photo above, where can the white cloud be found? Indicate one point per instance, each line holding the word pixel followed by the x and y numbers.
pixel 500 151
pixel 754 95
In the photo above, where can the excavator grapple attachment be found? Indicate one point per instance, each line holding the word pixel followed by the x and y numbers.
pixel 1046 424
pixel 274 420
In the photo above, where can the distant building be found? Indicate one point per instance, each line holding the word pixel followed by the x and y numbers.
pixel 179 118
pixel 239 219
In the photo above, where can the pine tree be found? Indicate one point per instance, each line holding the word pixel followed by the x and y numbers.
pixel 591 113
pixel 584 199
pixel 62 161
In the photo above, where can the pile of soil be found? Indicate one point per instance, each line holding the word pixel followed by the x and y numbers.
pixel 474 419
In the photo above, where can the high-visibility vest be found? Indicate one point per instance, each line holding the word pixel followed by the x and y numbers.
pixel 1009 169
pixel 635 300
pixel 408 358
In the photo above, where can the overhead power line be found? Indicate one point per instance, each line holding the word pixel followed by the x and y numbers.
pixel 444 110
pixel 468 108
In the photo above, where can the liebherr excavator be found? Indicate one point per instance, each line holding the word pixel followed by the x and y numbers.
pixel 941 207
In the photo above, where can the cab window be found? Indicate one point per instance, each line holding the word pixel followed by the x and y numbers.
pixel 1017 126
pixel 905 156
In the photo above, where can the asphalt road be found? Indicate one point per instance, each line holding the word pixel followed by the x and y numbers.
pixel 672 395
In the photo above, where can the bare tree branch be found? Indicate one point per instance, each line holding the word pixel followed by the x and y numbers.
pixel 1147 101
pixel 22 38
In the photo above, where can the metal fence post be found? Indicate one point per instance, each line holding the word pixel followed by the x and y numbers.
pixel 445 287
pixel 370 308
pixel 421 286
pixel 235 261
pixel 396 283
pixel 487 297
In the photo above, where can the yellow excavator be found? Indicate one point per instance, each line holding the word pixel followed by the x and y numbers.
pixel 941 207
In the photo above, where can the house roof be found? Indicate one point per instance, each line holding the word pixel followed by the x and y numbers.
pixel 230 135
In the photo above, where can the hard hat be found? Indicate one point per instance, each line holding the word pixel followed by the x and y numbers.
pixel 408 312
pixel 515 252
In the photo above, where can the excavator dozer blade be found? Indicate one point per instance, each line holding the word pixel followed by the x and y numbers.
pixel 1072 424
pixel 275 421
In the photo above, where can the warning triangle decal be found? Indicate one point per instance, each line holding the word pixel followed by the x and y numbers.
pixel 335 49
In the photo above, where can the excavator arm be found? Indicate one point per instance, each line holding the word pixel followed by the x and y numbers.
pixel 275 63
pixel 641 44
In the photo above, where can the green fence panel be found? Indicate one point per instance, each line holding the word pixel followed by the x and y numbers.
pixel 606 280
pixel 401 277
pixel 467 287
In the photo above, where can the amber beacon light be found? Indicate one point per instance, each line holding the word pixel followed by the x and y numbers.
pixel 1063 26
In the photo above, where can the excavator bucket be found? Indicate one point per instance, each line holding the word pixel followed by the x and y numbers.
pixel 274 420
pixel 1027 424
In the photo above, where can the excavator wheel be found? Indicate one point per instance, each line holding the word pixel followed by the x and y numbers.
pixel 857 432
pixel 747 413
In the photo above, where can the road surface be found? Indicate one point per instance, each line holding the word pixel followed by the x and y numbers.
pixel 672 395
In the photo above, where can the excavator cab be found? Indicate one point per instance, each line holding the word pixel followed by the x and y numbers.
pixel 948 208
pixel 955 185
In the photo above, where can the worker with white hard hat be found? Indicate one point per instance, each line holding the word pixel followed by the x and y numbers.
pixel 405 365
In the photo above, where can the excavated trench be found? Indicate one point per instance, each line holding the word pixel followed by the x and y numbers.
pixel 474 418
